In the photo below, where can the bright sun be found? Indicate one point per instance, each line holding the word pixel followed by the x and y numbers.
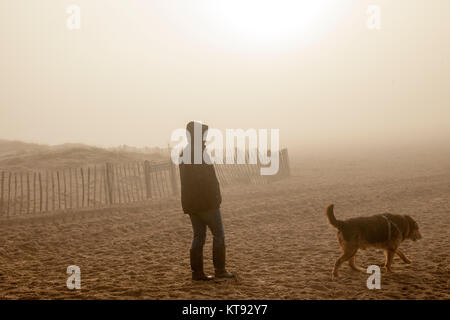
pixel 269 19
pixel 254 23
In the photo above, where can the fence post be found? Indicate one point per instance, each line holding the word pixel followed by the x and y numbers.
pixel 119 184
pixel 112 183
pixel 34 192
pixel 135 178
pixel 105 185
pixel 173 179
pixel 9 194
pixel 286 162
pixel 130 180
pixel 88 186
pixel 70 187
pixel 76 189
pixel 15 193
pixel 126 192
pixel 95 184
pixel 148 186
pixel 46 190
pixel 158 184
pixel 40 193
pixel 53 190
pixel 21 194
pixel 82 187
pixel 28 193
pixel 59 190
pixel 1 193
pixel 141 187
pixel 101 188
pixel 109 181
pixel 282 169
pixel 65 188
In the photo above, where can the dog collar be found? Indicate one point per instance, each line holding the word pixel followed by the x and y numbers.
pixel 389 222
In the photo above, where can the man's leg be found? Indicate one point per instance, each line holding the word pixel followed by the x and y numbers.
pixel 196 253
pixel 214 221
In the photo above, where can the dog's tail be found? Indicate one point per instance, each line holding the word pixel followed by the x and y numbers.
pixel 332 219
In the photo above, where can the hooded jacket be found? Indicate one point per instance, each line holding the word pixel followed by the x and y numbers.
pixel 200 190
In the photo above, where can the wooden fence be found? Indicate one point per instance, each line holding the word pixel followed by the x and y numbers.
pixel 24 193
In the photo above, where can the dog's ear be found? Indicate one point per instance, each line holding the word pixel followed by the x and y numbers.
pixel 412 223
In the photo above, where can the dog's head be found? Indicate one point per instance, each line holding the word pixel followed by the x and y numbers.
pixel 414 233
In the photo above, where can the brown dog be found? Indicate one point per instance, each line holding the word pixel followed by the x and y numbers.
pixel 383 231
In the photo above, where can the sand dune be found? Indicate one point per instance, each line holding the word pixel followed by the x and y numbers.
pixel 21 156
pixel 279 242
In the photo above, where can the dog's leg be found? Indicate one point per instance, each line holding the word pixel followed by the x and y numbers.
pixel 389 257
pixel 403 256
pixel 348 253
pixel 385 259
pixel 353 265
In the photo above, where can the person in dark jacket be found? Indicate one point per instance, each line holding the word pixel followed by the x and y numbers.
pixel 201 199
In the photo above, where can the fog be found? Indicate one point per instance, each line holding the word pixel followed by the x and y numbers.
pixel 137 70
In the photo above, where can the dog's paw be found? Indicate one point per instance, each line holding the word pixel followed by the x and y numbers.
pixel 408 261
pixel 359 269
pixel 386 269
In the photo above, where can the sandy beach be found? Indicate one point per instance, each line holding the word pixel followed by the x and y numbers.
pixel 279 242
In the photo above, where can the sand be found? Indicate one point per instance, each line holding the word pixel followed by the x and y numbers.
pixel 279 242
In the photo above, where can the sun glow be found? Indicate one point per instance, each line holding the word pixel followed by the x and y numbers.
pixel 269 20
pixel 255 23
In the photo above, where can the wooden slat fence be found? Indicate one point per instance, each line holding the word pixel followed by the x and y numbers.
pixel 29 193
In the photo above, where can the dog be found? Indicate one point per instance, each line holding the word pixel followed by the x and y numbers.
pixel 383 231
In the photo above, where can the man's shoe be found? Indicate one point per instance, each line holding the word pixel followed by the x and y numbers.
pixel 201 277
pixel 196 256
pixel 223 274
pixel 219 263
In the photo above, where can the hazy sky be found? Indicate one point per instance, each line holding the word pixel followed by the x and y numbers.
pixel 136 70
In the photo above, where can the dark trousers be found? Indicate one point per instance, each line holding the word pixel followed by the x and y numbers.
pixel 211 219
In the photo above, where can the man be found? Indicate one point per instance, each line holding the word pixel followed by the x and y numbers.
pixel 201 199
